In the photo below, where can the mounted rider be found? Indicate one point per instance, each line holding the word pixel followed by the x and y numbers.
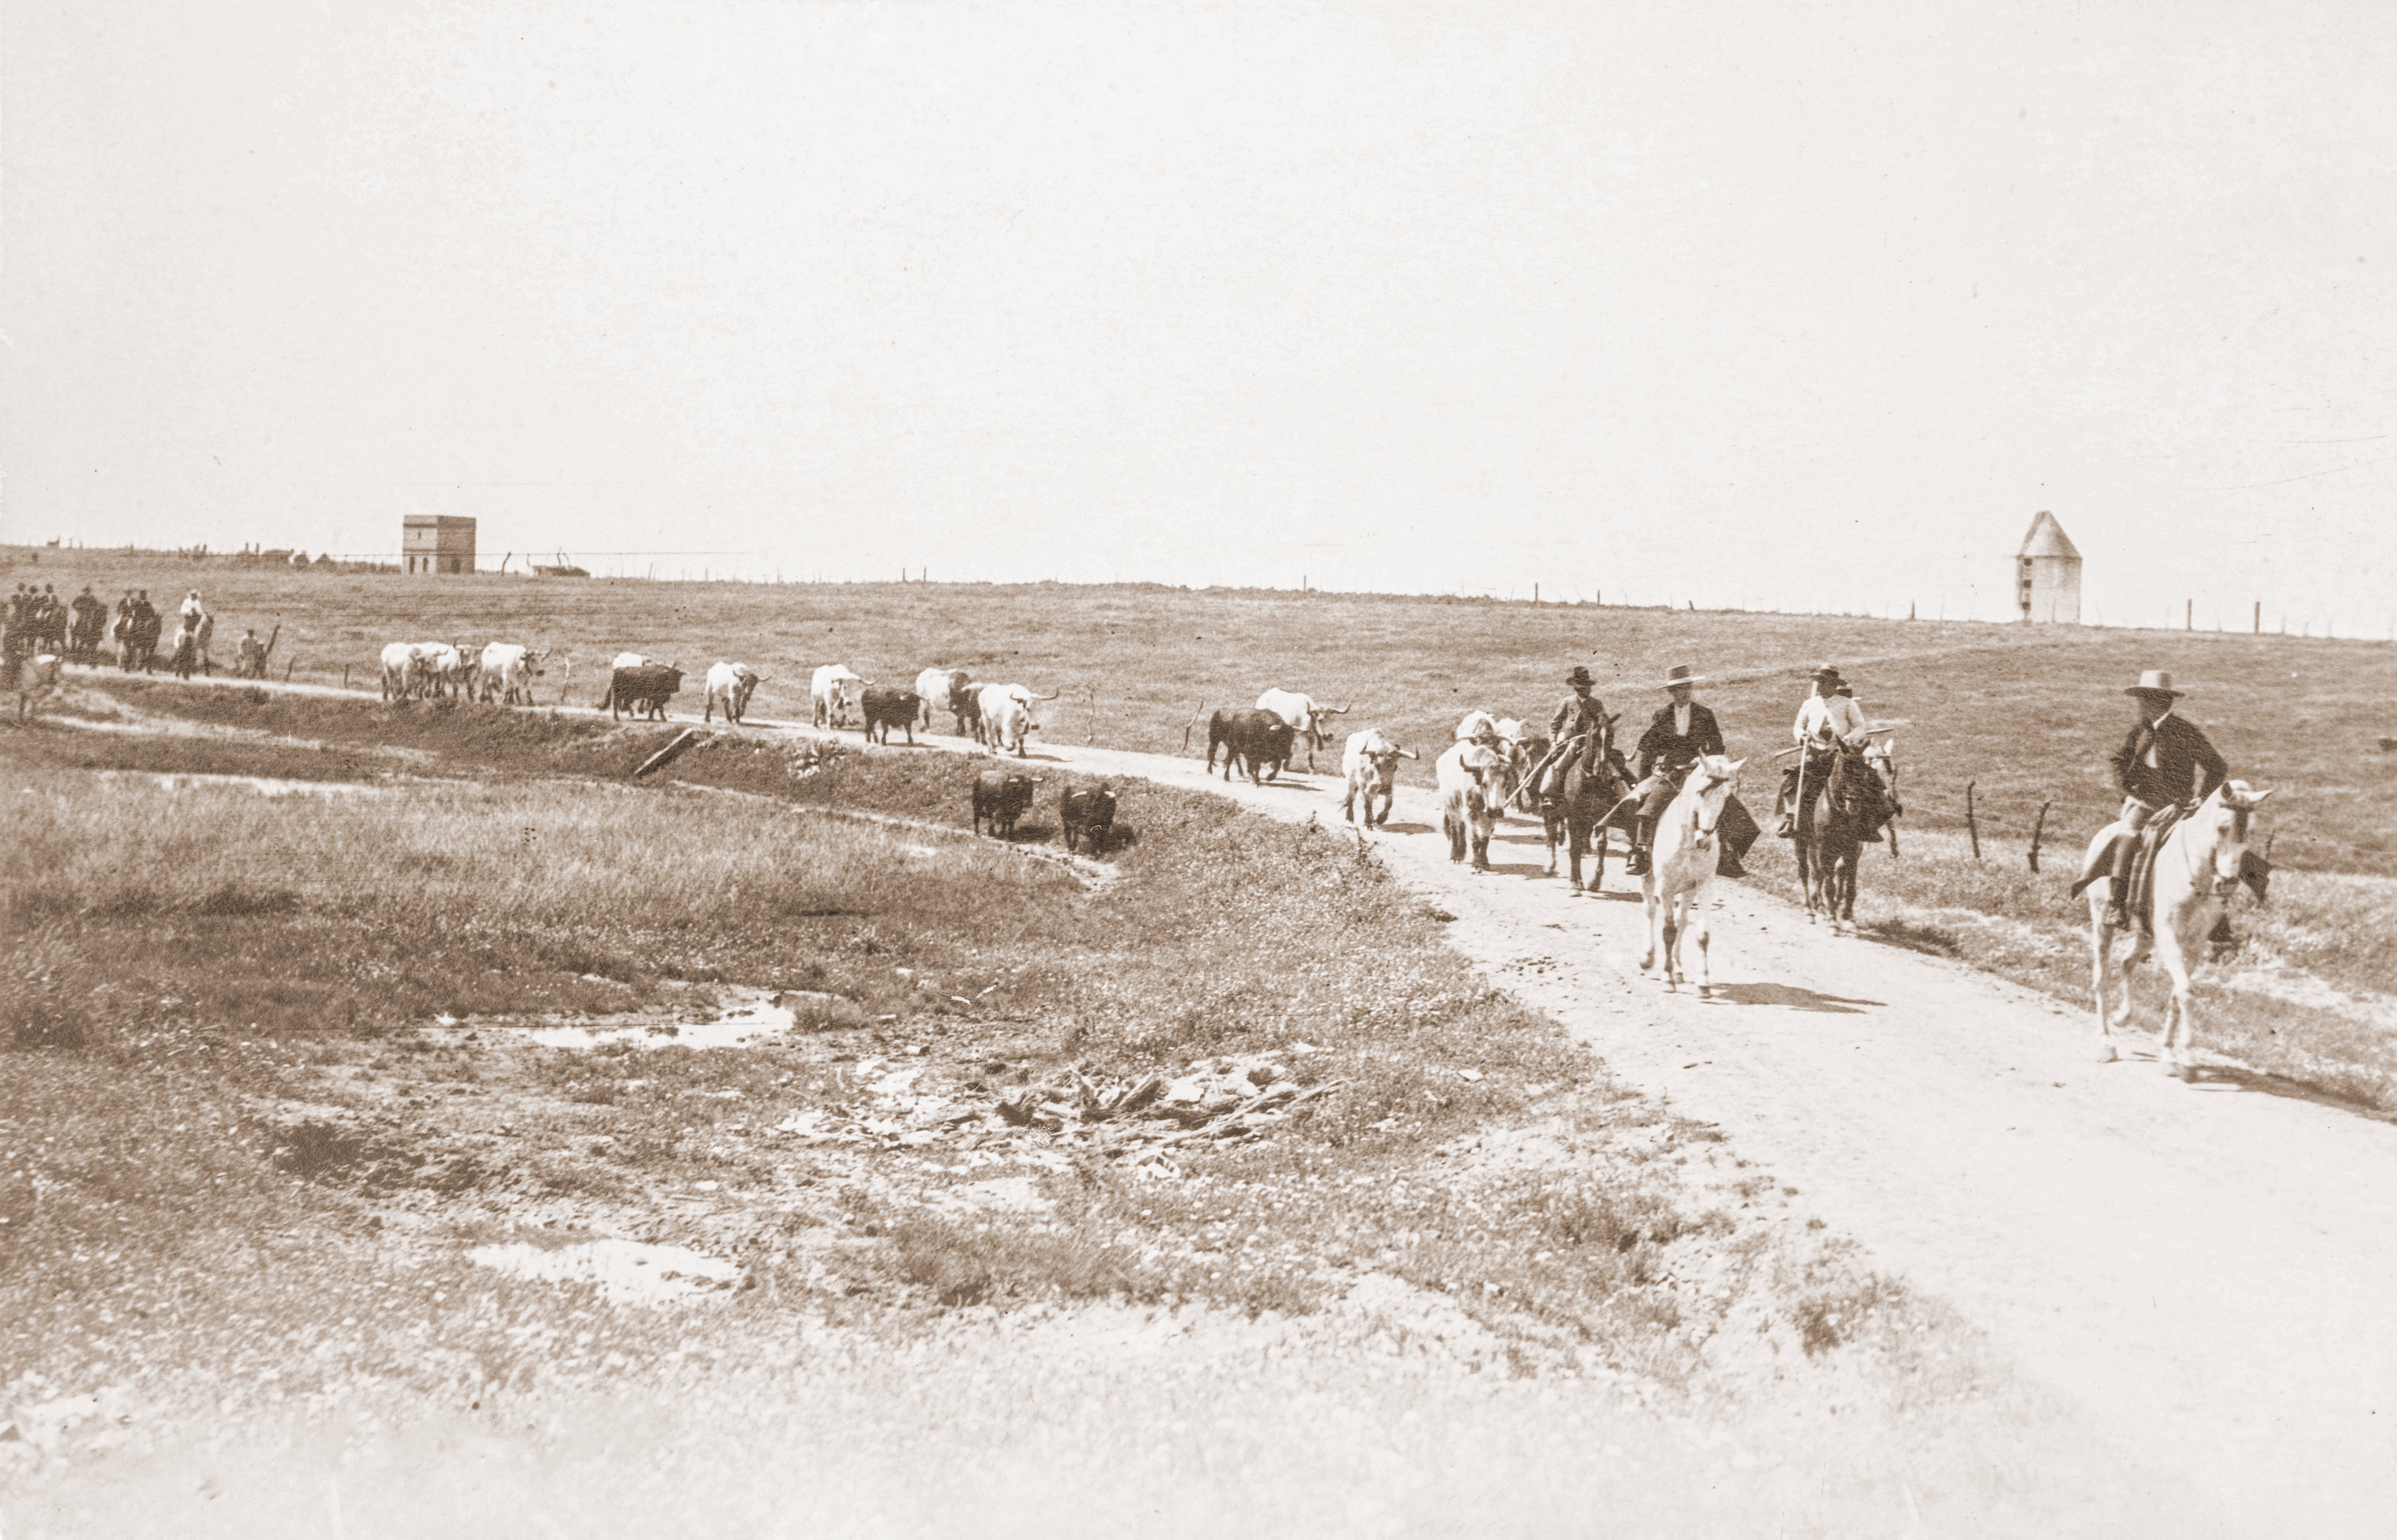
pixel 2159 764
pixel 1827 719
pixel 1680 733
pixel 1582 718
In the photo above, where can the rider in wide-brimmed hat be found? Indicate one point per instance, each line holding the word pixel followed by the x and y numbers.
pixel 2165 759
pixel 1680 733
pixel 1827 719
pixel 1582 717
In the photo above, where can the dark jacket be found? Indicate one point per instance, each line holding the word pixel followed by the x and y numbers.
pixel 1661 746
pixel 1576 716
pixel 2181 750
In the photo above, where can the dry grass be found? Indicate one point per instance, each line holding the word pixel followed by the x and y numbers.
pixel 1538 1224
pixel 2028 713
pixel 2306 995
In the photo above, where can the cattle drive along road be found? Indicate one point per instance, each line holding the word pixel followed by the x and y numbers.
pixel 2202 1271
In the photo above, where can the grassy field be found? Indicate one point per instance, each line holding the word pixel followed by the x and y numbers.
pixel 2026 714
pixel 201 974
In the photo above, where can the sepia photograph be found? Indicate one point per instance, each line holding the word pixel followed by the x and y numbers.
pixel 1325 768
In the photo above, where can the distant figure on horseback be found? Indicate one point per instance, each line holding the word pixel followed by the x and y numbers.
pixel 2170 864
pixel 1580 782
pixel 1680 733
pixel 1827 719
pixel 2162 758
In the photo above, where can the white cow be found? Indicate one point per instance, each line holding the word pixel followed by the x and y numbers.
pixel 949 689
pixel 1304 717
pixel 35 675
pixel 400 677
pixel 441 666
pixel 835 694
pixel 1470 775
pixel 1369 764
pixel 631 659
pixel 508 670
pixel 729 684
pixel 1006 716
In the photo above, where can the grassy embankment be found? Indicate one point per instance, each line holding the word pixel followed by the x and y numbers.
pixel 2026 714
pixel 155 1243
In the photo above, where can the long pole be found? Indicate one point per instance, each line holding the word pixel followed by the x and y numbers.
pixel 1971 828
pixel 2035 828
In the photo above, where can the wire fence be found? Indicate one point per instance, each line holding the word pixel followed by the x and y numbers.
pixel 2011 825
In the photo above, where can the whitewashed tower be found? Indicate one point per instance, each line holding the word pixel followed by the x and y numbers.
pixel 2047 574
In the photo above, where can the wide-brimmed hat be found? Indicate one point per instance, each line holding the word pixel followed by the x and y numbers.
pixel 1580 675
pixel 1680 675
pixel 1829 671
pixel 2155 681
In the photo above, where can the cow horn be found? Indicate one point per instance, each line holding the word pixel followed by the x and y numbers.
pixel 1339 711
pixel 1046 697
pixel 1409 753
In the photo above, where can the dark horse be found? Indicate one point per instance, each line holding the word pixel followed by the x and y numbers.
pixel 1591 782
pixel 1851 812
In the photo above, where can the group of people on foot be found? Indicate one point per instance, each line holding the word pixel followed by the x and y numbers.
pixel 38 620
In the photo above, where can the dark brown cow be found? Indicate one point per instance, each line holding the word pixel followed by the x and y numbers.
pixel 1088 816
pixel 643 691
pixel 999 798
pixel 1258 739
pixel 887 708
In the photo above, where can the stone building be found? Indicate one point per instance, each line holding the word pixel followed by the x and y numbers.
pixel 441 544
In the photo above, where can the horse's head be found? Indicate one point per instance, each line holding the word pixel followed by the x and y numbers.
pixel 2221 824
pixel 1710 780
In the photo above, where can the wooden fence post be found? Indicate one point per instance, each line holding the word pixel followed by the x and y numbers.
pixel 2036 827
pixel 289 666
pixel 1971 828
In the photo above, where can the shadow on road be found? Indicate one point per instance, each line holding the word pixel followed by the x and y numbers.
pixel 1793 997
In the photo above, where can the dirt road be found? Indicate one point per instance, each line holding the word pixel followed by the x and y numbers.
pixel 2202 1271
pixel 2206 1270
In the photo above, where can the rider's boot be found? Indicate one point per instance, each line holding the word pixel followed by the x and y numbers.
pixel 1642 831
pixel 2118 883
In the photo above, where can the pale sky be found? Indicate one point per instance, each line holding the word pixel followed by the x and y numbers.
pixel 1771 304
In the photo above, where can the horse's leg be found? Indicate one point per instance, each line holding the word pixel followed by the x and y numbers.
pixel 2179 1040
pixel 1806 873
pixel 1670 914
pixel 1648 903
pixel 1593 841
pixel 1699 922
pixel 1549 831
pixel 2101 958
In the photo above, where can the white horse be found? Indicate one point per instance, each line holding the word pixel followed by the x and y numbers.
pixel 1681 864
pixel 2203 859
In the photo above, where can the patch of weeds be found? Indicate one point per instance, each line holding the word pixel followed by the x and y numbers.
pixel 1832 1318
pixel 991 1264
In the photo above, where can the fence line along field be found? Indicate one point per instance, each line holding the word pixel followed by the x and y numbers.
pixel 2027 714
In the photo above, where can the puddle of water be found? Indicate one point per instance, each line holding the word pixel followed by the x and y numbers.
pixel 762 1020
pixel 631 1272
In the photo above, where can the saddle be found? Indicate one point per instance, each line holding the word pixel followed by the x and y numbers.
pixel 2139 899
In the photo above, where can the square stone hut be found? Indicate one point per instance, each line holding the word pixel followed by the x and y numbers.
pixel 437 543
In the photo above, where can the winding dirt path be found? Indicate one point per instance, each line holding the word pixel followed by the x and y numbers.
pixel 2208 1271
